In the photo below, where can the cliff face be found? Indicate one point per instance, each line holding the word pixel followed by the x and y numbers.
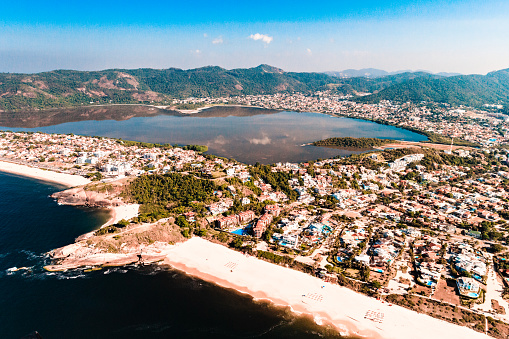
pixel 92 195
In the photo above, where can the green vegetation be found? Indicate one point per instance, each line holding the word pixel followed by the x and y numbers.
pixel 436 138
pixel 471 90
pixel 129 143
pixel 275 258
pixel 67 88
pixel 96 176
pixel 112 228
pixel 352 142
pixel 170 188
pixel 278 180
pixel 160 194
pixel 196 148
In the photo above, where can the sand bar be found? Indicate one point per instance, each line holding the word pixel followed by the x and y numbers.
pixel 64 179
pixel 328 303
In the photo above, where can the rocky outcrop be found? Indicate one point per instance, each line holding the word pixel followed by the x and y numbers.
pixel 84 196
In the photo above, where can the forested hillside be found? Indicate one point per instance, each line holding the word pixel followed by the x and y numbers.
pixel 72 88
pixel 65 88
pixel 471 90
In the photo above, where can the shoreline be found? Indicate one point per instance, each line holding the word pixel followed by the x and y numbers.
pixel 117 213
pixel 334 114
pixel 67 180
pixel 200 109
pixel 304 294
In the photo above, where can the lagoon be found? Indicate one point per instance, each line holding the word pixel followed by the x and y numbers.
pixel 246 134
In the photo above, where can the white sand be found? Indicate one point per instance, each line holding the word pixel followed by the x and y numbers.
pixel 117 213
pixel 122 212
pixel 68 180
pixel 340 306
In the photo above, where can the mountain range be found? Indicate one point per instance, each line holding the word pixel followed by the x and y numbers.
pixel 65 88
pixel 377 73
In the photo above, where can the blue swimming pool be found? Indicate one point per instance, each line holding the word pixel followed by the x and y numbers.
pixel 239 231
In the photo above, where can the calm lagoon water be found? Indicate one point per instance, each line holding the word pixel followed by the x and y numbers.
pixel 246 134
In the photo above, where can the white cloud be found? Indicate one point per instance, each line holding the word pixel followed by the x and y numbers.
pixel 218 40
pixel 205 35
pixel 263 37
pixel 196 51
pixel 309 51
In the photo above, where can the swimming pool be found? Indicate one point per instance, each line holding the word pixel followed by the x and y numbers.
pixel 239 231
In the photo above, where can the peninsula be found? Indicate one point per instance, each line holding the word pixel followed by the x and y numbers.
pixel 348 142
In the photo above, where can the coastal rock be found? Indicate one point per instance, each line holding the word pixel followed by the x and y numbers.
pixel 81 255
pixel 90 196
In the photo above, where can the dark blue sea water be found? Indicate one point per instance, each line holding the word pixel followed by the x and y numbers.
pixel 133 302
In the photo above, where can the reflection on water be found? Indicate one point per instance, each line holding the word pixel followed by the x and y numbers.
pixel 57 116
pixel 246 134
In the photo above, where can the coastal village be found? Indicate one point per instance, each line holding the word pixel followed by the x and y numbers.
pixel 486 127
pixel 426 228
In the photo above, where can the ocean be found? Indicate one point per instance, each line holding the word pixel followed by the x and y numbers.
pixel 128 302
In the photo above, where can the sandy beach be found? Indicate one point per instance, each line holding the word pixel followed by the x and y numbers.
pixel 122 212
pixel 118 213
pixel 327 303
pixel 68 180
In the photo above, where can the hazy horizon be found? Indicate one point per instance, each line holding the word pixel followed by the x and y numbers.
pixel 462 36
pixel 253 66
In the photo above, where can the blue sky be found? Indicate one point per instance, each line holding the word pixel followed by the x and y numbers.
pixel 455 36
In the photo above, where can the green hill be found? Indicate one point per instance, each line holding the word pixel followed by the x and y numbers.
pixel 470 90
pixel 65 88
pixel 72 88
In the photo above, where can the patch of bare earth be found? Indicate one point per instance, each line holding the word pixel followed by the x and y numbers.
pixel 446 291
pixel 129 79
pixel 146 96
pixel 41 84
pixel 105 83
pixel 496 307
pixel 31 92
pixel 96 93
pixel 93 194
pixel 30 95
pixel 137 235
